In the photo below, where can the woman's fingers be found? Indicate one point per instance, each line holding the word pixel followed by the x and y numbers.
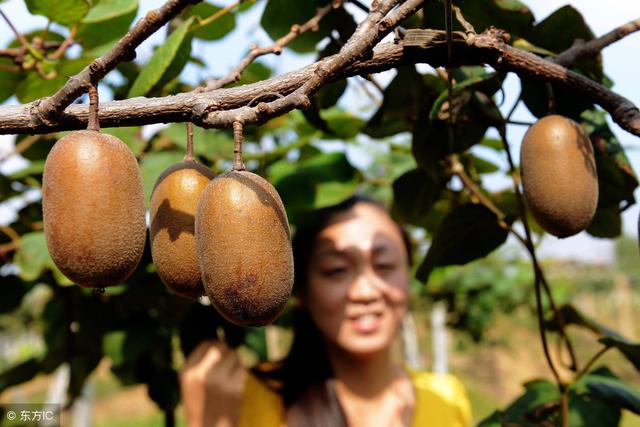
pixel 197 353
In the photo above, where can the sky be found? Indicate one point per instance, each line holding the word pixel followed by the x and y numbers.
pixel 602 16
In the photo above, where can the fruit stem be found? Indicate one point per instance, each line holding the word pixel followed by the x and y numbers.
pixel 238 137
pixel 93 123
pixel 189 156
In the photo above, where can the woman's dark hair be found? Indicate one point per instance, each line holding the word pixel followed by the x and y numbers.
pixel 304 377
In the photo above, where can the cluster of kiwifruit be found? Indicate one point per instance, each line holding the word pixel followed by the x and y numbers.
pixel 226 237
pixel 559 176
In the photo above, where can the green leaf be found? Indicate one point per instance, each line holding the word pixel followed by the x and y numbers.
pixel 216 29
pixel 329 95
pixel 322 180
pixel 280 15
pixel 414 193
pixel 11 293
pixel 431 144
pixel 540 405
pixel 8 80
pixel 606 223
pixel 404 97
pixel 113 345
pixel 32 257
pixel 163 389
pixel 613 391
pixel 164 61
pixel 493 420
pixel 20 373
pixel 106 21
pixel 343 124
pixel 537 393
pixel 510 15
pixel 152 165
pixel 105 10
pixel 63 12
pixel 482 81
pixel 568 104
pixel 256 340
pixel 130 136
pixel 478 165
pixel 469 232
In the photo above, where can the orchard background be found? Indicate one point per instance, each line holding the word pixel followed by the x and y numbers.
pixel 380 126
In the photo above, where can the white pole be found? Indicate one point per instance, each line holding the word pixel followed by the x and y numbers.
pixel 439 337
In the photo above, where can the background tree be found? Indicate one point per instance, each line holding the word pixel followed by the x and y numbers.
pixel 428 122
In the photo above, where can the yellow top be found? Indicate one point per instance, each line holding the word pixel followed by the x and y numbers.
pixel 441 401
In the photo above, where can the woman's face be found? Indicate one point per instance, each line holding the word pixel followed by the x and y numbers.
pixel 358 280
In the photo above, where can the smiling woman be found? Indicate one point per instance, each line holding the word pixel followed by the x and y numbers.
pixel 352 280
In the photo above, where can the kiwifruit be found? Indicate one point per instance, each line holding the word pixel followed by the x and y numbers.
pixel 559 175
pixel 244 248
pixel 93 208
pixel 174 201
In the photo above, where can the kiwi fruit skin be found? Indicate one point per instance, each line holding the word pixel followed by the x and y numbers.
pixel 559 175
pixel 174 202
pixel 244 248
pixel 93 208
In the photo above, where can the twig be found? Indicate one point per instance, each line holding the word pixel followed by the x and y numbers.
pixel 276 48
pixel 17 53
pixel 374 82
pixel 359 5
pixel 590 363
pixel 217 15
pixel 513 107
pixel 94 122
pixel 468 28
pixel 593 47
pixel 10 233
pixel 124 50
pixel 362 84
pixel 551 98
pixel 238 138
pixel 23 41
pixel 189 156
pixel 65 44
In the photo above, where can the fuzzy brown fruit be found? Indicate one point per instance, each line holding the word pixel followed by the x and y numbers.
pixel 244 248
pixel 93 207
pixel 174 202
pixel 559 175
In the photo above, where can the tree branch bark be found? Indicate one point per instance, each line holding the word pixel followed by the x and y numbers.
pixel 125 50
pixel 595 46
pixel 254 103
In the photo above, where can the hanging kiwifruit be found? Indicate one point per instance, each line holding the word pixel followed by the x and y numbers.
pixel 93 206
pixel 244 245
pixel 559 176
pixel 174 201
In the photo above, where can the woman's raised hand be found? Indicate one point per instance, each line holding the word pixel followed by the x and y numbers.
pixel 211 383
